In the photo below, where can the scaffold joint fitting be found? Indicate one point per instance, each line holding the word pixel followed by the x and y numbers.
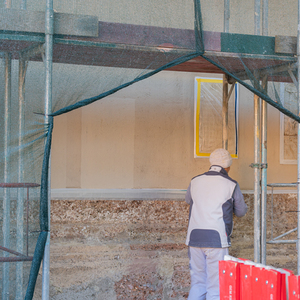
pixel 259 166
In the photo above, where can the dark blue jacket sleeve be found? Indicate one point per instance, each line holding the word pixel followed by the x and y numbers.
pixel 188 197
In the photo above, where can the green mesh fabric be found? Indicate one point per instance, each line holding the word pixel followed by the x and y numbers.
pixel 252 59
pixel 131 46
pixel 128 48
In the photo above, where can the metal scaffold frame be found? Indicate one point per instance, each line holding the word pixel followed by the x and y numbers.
pixel 298 152
pixel 276 240
pixel 49 30
pixel 260 138
pixel 20 257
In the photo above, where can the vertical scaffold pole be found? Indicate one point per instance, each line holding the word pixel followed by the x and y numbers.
pixel 225 114
pixel 256 179
pixel 6 199
pixel 6 195
pixel 265 17
pixel 226 15
pixel 298 146
pixel 20 203
pixel 257 257
pixel 257 202
pixel 257 6
pixel 225 84
pixel 23 4
pixel 264 113
pixel 264 176
pixel 49 29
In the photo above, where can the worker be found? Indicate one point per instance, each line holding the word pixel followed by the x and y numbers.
pixel 213 198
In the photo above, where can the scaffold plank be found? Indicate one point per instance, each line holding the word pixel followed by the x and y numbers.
pixel 136 46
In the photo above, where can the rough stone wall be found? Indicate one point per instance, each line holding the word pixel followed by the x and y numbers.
pixel 135 249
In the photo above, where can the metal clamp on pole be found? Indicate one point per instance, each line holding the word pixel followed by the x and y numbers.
pixel 259 166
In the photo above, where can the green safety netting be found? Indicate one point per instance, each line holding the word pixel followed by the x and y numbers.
pixel 130 45
pixel 257 57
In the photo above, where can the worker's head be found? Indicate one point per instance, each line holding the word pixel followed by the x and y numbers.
pixel 220 157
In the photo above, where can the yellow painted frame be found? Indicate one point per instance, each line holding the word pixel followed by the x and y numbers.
pixel 197 115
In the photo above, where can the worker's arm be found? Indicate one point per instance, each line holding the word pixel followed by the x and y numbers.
pixel 239 206
pixel 188 197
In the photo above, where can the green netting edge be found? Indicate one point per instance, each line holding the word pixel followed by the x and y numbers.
pixel 44 223
pixel 36 263
pixel 256 91
pixel 114 90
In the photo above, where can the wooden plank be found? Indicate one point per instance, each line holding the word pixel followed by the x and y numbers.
pixel 34 22
pixel 142 35
pixel 286 44
pixel 155 36
pixel 212 41
pixel 139 46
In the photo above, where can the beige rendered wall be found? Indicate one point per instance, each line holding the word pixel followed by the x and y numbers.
pixel 143 137
pixel 282 17
pixel 179 13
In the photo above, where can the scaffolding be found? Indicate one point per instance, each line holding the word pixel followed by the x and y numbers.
pixel 278 239
pixel 58 37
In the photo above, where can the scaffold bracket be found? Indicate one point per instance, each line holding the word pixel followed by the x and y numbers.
pixel 259 166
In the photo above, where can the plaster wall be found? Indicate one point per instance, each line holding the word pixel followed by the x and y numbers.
pixel 143 137
pixel 179 13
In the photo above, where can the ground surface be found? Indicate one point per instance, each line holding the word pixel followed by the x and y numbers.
pixel 116 250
